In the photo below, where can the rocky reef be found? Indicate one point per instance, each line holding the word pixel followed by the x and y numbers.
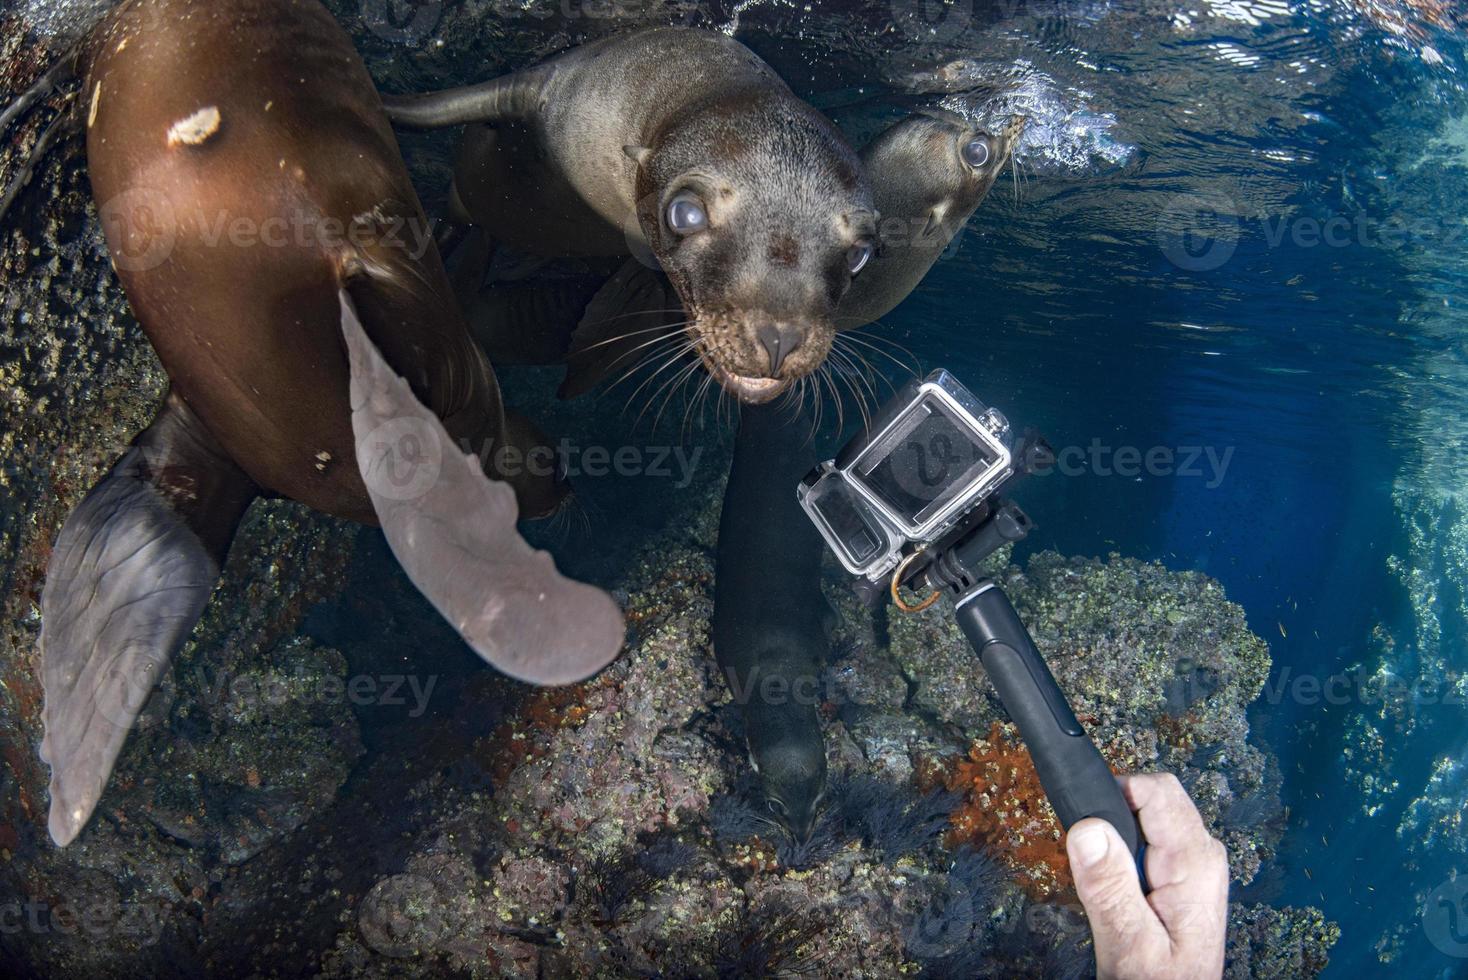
pixel 609 829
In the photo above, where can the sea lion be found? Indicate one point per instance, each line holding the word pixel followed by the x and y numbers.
pixel 929 172
pixel 683 144
pixel 251 186
pixel 769 614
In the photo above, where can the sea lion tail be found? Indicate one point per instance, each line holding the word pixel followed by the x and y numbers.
pixel 131 572
pixel 452 528
pixel 505 99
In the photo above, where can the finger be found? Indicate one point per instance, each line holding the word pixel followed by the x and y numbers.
pixel 1123 925
pixel 1168 816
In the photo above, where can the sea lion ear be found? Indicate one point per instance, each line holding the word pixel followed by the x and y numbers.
pixel 637 154
pixel 452 528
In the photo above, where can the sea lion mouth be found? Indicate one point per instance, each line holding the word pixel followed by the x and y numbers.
pixel 749 390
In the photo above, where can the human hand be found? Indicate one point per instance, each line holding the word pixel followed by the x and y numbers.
pixel 1176 931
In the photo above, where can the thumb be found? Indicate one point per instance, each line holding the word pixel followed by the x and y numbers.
pixel 1106 883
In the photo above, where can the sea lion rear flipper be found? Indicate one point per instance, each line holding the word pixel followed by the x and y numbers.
pixel 131 572
pixel 622 324
pixel 453 530
pixel 502 99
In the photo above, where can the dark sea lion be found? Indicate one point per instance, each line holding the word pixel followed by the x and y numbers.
pixel 684 144
pixel 769 614
pixel 929 174
pixel 210 127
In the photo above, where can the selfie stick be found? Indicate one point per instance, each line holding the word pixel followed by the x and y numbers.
pixel 1077 781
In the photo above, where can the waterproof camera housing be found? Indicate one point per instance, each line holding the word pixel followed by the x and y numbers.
pixel 931 455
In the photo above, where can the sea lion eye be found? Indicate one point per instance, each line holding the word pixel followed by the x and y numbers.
pixel 776 807
pixel 686 215
pixel 976 152
pixel 858 256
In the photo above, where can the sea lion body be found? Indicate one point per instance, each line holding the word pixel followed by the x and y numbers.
pixel 274 192
pixel 592 152
pixel 261 221
pixel 770 617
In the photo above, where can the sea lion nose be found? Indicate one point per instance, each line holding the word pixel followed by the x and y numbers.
pixel 781 340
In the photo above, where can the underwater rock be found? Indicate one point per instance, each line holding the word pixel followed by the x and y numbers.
pixel 625 841
pixel 1270 942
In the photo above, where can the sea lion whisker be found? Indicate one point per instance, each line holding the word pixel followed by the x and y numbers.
pixel 676 349
pixel 908 368
pixel 637 312
pixel 843 360
pixel 842 367
pixel 679 391
pixel 671 387
pixel 635 333
pixel 826 377
pixel 668 362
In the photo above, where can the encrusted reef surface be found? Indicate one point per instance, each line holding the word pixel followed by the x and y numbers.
pixel 611 831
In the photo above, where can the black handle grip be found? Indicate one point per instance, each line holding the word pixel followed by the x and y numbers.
pixel 1075 777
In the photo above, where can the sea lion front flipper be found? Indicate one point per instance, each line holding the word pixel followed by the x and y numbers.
pixel 623 324
pixel 129 576
pixel 453 530
pixel 529 323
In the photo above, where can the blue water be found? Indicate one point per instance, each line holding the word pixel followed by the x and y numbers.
pixel 1330 372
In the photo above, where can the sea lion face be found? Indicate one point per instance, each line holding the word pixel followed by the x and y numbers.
pixel 929 173
pixel 947 165
pixel 760 222
pixel 793 778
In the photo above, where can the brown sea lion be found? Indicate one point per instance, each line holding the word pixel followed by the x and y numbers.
pixel 683 146
pixel 261 221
